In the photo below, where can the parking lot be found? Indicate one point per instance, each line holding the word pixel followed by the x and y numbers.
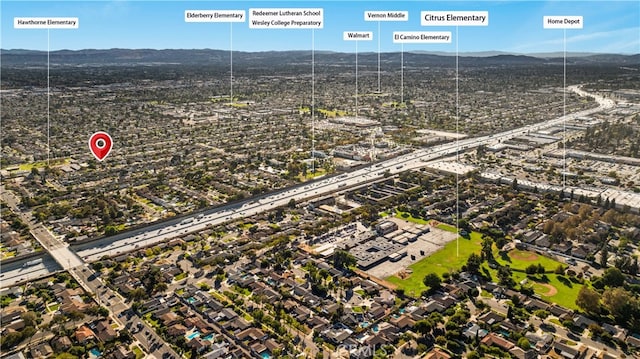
pixel 426 244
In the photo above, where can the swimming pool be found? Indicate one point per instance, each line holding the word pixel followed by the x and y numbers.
pixel 191 300
pixel 209 337
pixel 95 352
pixel 265 355
pixel 195 334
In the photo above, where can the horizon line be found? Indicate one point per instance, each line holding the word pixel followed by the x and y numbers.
pixel 443 53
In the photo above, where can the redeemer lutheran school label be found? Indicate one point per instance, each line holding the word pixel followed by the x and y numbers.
pixel 286 18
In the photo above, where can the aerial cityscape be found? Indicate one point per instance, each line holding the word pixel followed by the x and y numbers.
pixel 319 179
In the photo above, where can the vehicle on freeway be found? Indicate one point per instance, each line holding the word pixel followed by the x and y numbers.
pixel 32 263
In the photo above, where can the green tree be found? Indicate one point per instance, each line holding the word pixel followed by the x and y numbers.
pixel 292 203
pixel 138 294
pixel 473 263
pixel 110 230
pixel 523 343
pixel 423 326
pixel 604 256
pixel 160 287
pixel 103 312
pixel 125 336
pixel 588 300
pixel 77 350
pixel 595 330
pixel 504 276
pixel 75 315
pixel 487 244
pixel 463 225
pixel 619 302
pixel 10 340
pixel 559 269
pixel 613 277
pixel 432 281
pixel 343 259
pixel 531 269
pixel 29 318
pixel 97 266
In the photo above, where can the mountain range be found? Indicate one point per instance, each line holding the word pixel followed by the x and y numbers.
pixel 115 57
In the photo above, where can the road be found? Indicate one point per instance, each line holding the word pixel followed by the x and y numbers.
pixel 61 256
pixel 75 260
pixel 18 272
pixel 584 339
pixel 56 247
pixel 156 233
pixel 559 331
pixel 145 335
pixel 26 270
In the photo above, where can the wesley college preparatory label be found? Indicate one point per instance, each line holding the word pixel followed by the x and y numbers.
pixel 286 18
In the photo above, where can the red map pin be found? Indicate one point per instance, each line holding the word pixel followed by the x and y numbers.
pixel 100 145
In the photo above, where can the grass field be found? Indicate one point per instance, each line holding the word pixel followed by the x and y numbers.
pixel 566 291
pixel 146 202
pixel 449 228
pixel 550 286
pixel 520 260
pixel 442 261
pixel 219 99
pixel 409 218
pixel 152 321
pixel 310 175
pixel 40 164
pixel 331 113
pixel 485 294
pixel 138 352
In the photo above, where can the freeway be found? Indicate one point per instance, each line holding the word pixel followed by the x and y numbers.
pixel 159 232
pixel 20 271
pixel 74 258
pixel 60 256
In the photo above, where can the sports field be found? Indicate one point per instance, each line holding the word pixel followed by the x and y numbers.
pixel 451 258
pixel 550 286
pixel 519 260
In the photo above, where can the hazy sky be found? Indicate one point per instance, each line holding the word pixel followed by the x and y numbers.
pixel 514 26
